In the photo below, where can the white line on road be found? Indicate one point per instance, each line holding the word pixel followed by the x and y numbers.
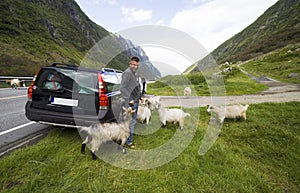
pixel 16 128
pixel 12 97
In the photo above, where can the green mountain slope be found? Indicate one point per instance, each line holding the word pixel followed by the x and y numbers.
pixel 35 33
pixel 39 32
pixel 278 27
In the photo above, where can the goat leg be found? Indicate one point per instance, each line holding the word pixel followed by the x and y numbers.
pixel 123 141
pixel 119 142
pixel 94 157
pixel 84 144
pixel 83 148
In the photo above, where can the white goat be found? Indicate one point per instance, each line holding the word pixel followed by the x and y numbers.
pixel 144 112
pixel 172 115
pixel 187 91
pixel 15 83
pixel 230 112
pixel 153 103
pixel 99 133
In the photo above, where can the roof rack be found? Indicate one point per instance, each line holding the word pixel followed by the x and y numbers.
pixel 61 64
pixel 111 70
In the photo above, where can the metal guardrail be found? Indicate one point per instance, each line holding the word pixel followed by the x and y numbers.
pixel 4 78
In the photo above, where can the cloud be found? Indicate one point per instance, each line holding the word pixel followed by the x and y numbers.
pixel 160 22
pixel 214 22
pixel 135 15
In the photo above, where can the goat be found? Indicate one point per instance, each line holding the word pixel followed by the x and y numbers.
pixel 230 112
pixel 144 112
pixel 14 83
pixel 187 91
pixel 172 115
pixel 99 133
pixel 153 103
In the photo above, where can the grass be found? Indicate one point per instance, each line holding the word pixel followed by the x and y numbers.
pixel 278 64
pixel 257 155
pixel 241 84
pixel 235 83
pixel 4 85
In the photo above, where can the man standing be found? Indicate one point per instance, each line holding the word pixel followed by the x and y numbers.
pixel 131 93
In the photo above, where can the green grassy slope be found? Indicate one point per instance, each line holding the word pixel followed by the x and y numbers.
pixel 234 83
pixel 257 155
pixel 38 33
pixel 278 64
pixel 278 27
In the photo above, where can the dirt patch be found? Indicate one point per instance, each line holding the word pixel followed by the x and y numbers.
pixel 274 85
pixel 279 87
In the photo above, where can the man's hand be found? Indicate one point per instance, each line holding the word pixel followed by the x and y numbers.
pixel 131 102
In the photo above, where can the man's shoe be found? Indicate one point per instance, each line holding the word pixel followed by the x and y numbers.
pixel 132 146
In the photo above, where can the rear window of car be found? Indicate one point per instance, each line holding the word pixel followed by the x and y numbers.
pixel 112 79
pixel 78 81
pixel 60 79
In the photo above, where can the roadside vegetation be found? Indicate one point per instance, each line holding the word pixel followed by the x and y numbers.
pixel 257 155
pixel 234 82
pixel 4 85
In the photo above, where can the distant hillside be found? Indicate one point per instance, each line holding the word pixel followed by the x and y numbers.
pixel 277 27
pixel 39 32
pixel 282 64
pixel 147 70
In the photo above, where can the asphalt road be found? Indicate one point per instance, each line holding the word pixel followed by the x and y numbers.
pixel 15 129
pixel 12 103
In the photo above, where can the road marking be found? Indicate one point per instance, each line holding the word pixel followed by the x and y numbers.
pixel 16 128
pixel 19 145
pixel 12 97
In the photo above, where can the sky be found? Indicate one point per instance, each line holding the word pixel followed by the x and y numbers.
pixel 210 22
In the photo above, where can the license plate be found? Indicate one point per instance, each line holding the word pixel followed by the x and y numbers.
pixel 63 101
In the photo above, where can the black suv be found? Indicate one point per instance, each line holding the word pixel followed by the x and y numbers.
pixel 68 95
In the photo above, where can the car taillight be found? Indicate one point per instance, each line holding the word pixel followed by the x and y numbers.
pixel 31 87
pixel 103 99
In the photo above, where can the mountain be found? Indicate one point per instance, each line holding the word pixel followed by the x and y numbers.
pixel 35 33
pixel 278 27
pixel 147 69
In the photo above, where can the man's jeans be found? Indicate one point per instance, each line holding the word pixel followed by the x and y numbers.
pixel 132 123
